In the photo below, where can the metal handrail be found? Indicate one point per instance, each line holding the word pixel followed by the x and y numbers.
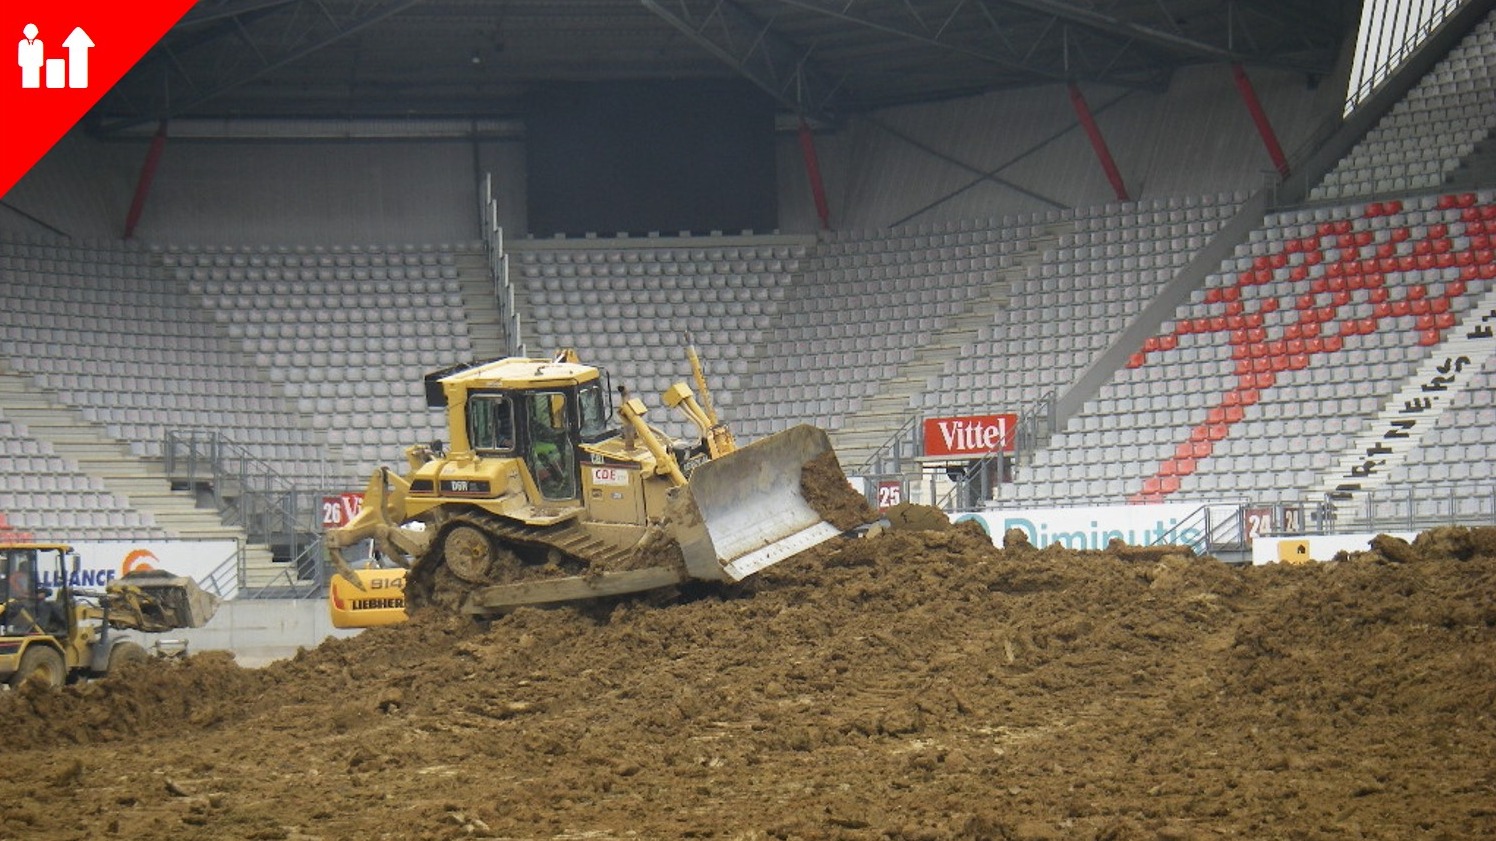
pixel 267 506
pixel 980 471
pixel 1394 60
pixel 1410 508
pixel 1214 529
pixel 305 577
pixel 231 569
pixel 497 263
pixel 875 464
pixel 1405 507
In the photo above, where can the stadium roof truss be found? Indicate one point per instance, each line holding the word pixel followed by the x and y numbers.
pixel 820 59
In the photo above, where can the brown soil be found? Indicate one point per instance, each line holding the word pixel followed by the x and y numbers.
pixel 919 685
pixel 909 516
pixel 825 489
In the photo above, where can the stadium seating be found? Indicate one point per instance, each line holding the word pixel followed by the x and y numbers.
pixel 345 333
pixel 113 336
pixel 46 497
pixel 312 356
pixel 861 306
pixel 1416 146
pixel 1265 377
pixel 1069 306
pixel 628 307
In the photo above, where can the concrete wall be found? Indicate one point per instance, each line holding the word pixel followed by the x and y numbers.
pixel 81 188
pixel 1195 138
pixel 1192 139
pixel 274 192
pixel 259 631
pixel 371 191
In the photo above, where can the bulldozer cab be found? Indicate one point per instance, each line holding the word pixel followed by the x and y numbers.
pixel 543 426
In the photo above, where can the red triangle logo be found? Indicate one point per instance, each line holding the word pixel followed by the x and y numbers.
pixel 67 56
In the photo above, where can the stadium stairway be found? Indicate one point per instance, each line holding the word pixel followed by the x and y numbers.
pixel 1411 413
pixel 139 481
pixel 885 413
pixel 478 302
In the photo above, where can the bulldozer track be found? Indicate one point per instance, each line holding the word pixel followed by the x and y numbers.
pixel 571 540
pixel 431 581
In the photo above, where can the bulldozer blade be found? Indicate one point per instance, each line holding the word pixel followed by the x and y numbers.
pixel 745 511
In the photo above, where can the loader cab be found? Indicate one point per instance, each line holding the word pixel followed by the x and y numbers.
pixel 29 605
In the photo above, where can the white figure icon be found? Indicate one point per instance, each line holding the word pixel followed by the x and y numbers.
pixel 29 56
pixel 69 72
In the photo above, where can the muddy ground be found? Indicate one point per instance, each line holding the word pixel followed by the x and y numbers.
pixel 917 685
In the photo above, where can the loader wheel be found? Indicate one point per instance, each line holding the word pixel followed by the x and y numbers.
pixel 468 553
pixel 43 664
pixel 125 654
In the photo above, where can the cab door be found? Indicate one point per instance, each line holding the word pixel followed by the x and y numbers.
pixel 551 445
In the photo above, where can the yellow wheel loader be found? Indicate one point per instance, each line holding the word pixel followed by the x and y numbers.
pixel 546 495
pixel 53 632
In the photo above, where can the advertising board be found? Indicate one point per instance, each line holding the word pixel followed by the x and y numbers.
pixel 211 563
pixel 970 436
pixel 1093 527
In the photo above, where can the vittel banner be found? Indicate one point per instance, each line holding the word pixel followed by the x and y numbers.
pixel 973 435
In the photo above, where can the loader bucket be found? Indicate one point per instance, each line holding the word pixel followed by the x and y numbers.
pixel 171 601
pixel 746 511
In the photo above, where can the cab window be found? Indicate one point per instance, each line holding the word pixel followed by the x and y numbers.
pixel 593 400
pixel 490 422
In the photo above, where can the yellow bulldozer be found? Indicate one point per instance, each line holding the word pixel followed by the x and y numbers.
pixel 53 632
pixel 546 494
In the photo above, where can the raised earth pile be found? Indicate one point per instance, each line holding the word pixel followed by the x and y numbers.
pixel 916 685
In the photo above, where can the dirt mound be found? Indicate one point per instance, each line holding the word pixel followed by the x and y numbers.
pixel 1445 542
pixel 197 692
pixel 825 488
pixel 909 516
pixel 920 685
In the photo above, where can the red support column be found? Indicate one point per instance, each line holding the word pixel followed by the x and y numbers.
pixel 143 184
pixel 1259 116
pixel 1098 143
pixel 813 172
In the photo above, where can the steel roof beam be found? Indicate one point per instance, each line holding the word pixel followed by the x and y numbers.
pixel 338 33
pixel 1171 41
pixel 1124 29
pixel 208 13
pixel 841 13
pixel 758 52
